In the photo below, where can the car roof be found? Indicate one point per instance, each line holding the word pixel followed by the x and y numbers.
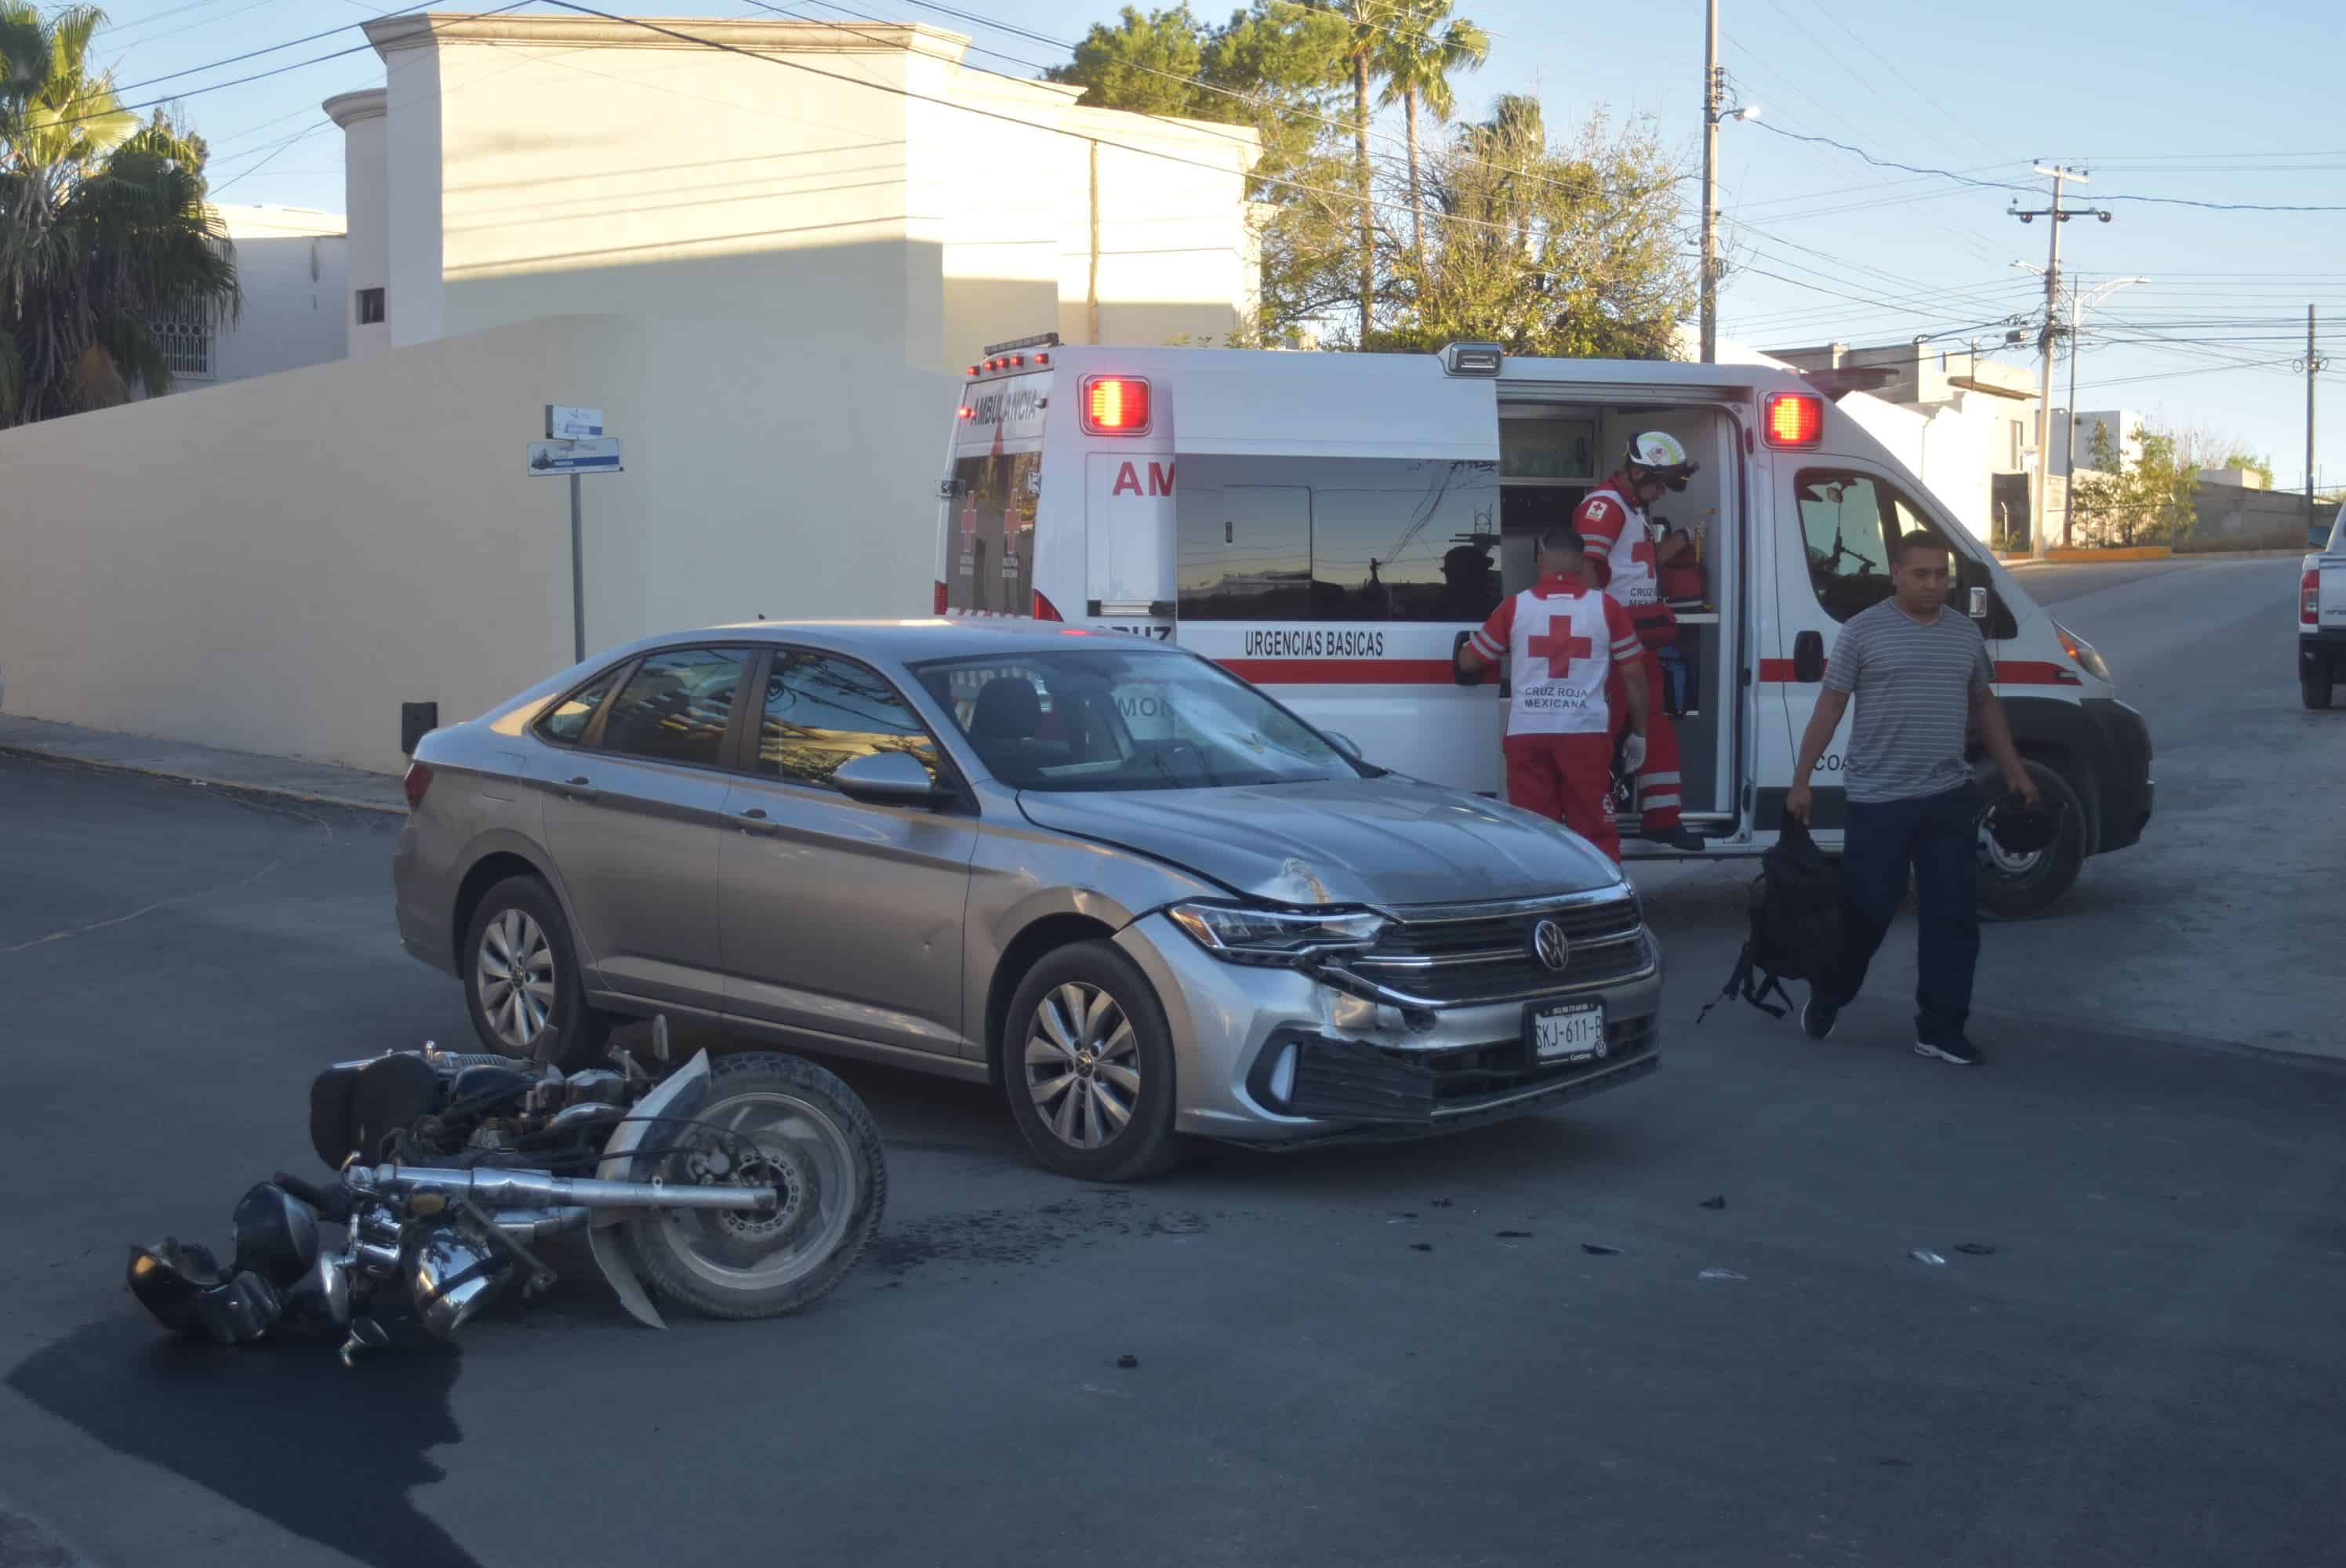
pixel 911 641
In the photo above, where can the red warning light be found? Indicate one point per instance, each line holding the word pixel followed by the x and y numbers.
pixel 1116 405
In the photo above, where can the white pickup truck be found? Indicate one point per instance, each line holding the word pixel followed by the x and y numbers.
pixel 2321 619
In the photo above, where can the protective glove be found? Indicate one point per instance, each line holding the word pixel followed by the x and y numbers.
pixel 1633 753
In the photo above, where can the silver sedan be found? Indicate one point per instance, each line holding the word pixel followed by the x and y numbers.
pixel 1127 887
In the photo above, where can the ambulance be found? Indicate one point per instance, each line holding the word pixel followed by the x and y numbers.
pixel 1331 526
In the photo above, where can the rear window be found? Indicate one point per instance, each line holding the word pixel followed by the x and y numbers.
pixel 990 533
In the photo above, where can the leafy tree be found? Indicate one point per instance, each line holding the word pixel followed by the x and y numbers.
pixel 103 227
pixel 1563 251
pixel 1417 61
pixel 2147 501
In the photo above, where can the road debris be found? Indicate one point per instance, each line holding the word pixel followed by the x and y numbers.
pixel 1598 1249
pixel 1924 1254
pixel 1421 1247
pixel 1720 1273
pixel 1514 1236
pixel 1128 1361
pixel 1976 1249
pixel 1718 1202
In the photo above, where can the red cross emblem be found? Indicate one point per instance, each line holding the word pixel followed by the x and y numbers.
pixel 1560 647
pixel 1642 553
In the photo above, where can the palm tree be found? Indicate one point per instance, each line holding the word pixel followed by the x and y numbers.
pixel 1370 23
pixel 1509 142
pixel 103 227
pixel 1418 51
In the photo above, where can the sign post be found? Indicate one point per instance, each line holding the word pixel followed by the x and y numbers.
pixel 575 445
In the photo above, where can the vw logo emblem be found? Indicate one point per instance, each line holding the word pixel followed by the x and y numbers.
pixel 1549 945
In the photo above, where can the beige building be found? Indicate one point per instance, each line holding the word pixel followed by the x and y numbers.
pixel 763 250
pixel 290 261
pixel 518 166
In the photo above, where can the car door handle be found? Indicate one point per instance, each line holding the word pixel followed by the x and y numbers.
pixel 578 790
pixel 753 820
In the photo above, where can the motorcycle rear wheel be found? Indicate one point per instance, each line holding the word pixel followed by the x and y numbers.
pixel 815 1141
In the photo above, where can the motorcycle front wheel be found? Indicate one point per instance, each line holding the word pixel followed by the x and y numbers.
pixel 768 1120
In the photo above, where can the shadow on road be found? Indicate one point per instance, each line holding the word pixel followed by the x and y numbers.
pixel 279 1429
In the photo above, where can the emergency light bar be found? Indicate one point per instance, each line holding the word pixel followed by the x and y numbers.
pixel 1040 340
pixel 1794 420
pixel 1114 406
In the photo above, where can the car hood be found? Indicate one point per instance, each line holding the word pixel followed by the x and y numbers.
pixel 1338 841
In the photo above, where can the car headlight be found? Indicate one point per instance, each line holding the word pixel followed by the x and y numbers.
pixel 1245 934
pixel 2081 653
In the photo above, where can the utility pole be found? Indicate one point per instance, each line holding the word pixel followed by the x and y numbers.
pixel 2313 364
pixel 1711 96
pixel 2059 215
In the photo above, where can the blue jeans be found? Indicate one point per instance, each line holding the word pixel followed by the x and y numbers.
pixel 1935 837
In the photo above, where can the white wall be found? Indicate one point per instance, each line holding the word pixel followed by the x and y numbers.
pixel 415 306
pixel 366 191
pixel 278 565
pixel 292 265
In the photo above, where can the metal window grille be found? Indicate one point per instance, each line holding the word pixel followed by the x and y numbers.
pixel 185 338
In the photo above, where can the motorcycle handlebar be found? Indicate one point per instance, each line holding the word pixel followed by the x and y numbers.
pixel 331 1203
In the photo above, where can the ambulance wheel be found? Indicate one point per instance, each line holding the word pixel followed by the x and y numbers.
pixel 2315 688
pixel 2019 887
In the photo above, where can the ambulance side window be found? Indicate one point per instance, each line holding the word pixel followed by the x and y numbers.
pixel 1841 519
pixel 990 552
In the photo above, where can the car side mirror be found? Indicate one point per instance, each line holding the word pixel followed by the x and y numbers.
pixel 1979 604
pixel 1809 658
pixel 887 778
pixel 1345 744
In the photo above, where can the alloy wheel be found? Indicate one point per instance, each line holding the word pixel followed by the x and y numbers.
pixel 514 975
pixel 1082 1065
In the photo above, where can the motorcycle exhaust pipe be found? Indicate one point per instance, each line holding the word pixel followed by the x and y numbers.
pixel 537 1224
pixel 537 1189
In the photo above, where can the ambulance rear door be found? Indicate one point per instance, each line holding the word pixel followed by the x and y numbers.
pixel 1337 526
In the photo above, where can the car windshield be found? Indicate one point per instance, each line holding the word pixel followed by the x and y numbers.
pixel 1100 717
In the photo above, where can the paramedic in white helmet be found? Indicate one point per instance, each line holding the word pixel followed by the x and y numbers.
pixel 1563 640
pixel 1621 561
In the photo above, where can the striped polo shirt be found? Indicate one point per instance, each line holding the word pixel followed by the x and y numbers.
pixel 1911 682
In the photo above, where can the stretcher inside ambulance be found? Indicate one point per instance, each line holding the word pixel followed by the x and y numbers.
pixel 1330 526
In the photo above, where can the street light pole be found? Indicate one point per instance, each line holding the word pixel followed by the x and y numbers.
pixel 2069 443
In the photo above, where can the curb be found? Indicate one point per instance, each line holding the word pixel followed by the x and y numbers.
pixel 238 786
pixel 2060 557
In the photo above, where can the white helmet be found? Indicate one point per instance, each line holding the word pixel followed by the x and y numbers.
pixel 1661 454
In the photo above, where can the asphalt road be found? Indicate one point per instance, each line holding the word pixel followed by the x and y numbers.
pixel 1341 1357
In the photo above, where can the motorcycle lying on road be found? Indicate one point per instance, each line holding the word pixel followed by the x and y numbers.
pixel 745 1189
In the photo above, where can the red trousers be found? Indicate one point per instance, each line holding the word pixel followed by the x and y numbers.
pixel 1565 778
pixel 1659 789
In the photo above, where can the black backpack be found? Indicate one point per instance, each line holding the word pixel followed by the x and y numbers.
pixel 1795 923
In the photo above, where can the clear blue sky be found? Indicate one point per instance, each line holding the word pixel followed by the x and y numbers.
pixel 2153 97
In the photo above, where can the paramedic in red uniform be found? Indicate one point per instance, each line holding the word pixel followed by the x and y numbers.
pixel 1564 639
pixel 1621 562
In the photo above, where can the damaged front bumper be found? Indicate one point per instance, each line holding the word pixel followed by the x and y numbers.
pixel 1369 1062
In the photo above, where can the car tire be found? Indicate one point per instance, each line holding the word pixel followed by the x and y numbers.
pixel 2315 689
pixel 1084 1042
pixel 2012 888
pixel 518 929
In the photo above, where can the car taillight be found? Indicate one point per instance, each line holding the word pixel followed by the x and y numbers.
pixel 1114 406
pixel 1045 610
pixel 2309 597
pixel 418 780
pixel 1794 419
pixel 937 603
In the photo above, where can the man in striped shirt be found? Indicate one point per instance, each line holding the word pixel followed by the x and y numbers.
pixel 1921 678
pixel 1563 640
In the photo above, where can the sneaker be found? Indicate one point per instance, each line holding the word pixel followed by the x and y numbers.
pixel 1817 1020
pixel 1957 1049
